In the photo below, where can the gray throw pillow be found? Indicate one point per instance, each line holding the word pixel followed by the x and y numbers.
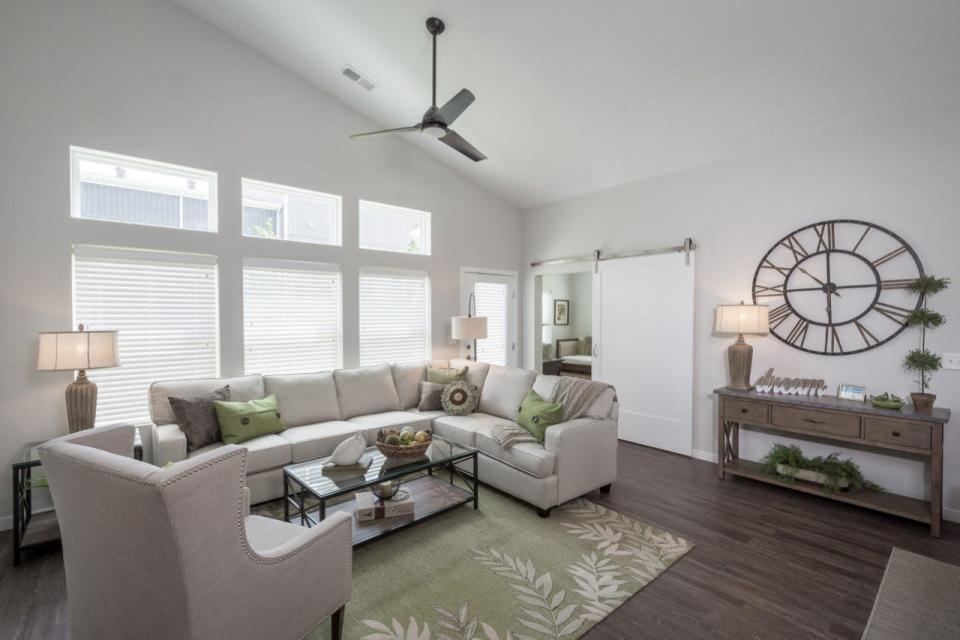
pixel 197 417
pixel 430 393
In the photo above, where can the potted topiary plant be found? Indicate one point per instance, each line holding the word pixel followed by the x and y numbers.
pixel 921 360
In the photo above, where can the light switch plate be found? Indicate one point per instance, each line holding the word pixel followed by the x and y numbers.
pixel 951 361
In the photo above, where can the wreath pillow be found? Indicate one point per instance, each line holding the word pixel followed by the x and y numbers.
pixel 459 398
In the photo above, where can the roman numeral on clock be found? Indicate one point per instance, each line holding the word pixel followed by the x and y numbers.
pixel 779 314
pixel 902 283
pixel 769 265
pixel 893 312
pixel 795 247
pixel 826 236
pixel 890 256
pixel 775 291
pixel 831 341
pixel 798 335
pixel 865 333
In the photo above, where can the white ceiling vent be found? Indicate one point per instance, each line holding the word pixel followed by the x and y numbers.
pixel 355 76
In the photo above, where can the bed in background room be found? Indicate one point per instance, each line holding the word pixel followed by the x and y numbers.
pixel 575 358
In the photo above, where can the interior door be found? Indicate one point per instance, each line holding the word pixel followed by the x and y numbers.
pixel 644 309
pixel 496 299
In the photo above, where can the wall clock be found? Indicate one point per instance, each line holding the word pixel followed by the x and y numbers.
pixel 838 287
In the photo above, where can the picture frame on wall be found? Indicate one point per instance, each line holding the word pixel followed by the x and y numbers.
pixel 561 312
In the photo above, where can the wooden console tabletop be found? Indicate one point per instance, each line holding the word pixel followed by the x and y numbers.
pixel 830 419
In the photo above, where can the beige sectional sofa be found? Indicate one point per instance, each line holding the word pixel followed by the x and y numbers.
pixel 320 410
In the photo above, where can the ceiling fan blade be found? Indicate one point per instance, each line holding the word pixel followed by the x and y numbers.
pixel 454 107
pixel 454 140
pixel 385 132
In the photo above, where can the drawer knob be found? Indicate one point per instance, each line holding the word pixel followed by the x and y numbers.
pixel 896 434
pixel 743 410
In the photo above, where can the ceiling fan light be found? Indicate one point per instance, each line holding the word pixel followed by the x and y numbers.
pixel 435 131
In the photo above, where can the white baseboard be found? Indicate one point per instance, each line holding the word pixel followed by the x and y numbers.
pixel 700 454
pixel 6 523
pixel 953 515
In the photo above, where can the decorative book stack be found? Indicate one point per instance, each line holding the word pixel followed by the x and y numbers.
pixel 370 508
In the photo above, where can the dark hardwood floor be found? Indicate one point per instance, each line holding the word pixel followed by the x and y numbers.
pixel 768 563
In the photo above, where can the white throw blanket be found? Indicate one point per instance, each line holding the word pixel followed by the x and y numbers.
pixel 508 435
pixel 577 396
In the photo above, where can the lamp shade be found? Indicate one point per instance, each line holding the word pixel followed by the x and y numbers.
pixel 737 319
pixel 69 350
pixel 468 327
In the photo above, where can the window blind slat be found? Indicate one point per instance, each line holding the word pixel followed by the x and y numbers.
pixel 292 319
pixel 165 312
pixel 394 318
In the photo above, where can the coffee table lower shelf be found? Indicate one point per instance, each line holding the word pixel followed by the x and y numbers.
pixel 431 496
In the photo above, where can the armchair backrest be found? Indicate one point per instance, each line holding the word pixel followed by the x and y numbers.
pixel 139 541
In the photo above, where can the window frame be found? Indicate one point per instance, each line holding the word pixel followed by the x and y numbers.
pixel 426 237
pixel 294 265
pixel 77 154
pixel 285 190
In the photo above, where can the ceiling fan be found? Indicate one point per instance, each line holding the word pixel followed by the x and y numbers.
pixel 436 121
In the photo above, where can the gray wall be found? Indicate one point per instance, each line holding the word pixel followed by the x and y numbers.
pixel 149 79
pixel 904 176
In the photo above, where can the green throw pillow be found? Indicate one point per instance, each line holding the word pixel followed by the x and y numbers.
pixel 242 421
pixel 536 414
pixel 445 376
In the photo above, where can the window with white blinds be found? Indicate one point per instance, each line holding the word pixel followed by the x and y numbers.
pixel 394 317
pixel 387 227
pixel 291 317
pixel 164 308
pixel 492 300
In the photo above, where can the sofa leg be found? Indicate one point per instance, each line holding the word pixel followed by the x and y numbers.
pixel 543 513
pixel 336 623
pixel 606 488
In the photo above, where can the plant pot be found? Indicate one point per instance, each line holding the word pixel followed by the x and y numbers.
pixel 923 402
pixel 807 475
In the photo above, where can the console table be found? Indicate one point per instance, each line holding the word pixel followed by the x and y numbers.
pixel 842 422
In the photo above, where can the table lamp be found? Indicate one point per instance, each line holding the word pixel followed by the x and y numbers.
pixel 741 319
pixel 78 351
pixel 469 327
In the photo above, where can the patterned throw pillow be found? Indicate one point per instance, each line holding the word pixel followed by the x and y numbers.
pixel 459 398
pixel 197 417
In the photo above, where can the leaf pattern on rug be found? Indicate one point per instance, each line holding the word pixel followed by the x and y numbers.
pixel 545 612
pixel 599 582
pixel 459 624
pixel 397 632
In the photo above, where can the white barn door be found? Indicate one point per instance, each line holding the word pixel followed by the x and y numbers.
pixel 644 347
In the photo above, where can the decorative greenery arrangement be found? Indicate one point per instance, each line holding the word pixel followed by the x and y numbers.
pixel 836 472
pixel 921 360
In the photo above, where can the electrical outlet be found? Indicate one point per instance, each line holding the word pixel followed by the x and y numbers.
pixel 951 361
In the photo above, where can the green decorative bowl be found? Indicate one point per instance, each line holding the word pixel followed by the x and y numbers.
pixel 888 404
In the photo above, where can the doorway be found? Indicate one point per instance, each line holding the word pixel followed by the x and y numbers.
pixel 566 332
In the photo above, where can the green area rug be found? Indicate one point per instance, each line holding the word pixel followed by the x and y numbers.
pixel 503 573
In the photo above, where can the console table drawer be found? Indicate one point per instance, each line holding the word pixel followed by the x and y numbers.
pixel 908 434
pixel 745 411
pixel 839 424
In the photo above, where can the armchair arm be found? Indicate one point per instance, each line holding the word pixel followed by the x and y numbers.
pixel 169 444
pixel 246 500
pixel 586 451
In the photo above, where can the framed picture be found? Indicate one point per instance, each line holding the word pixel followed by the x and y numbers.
pixel 561 312
pixel 852 392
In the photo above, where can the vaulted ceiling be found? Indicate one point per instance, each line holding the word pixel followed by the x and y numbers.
pixel 576 96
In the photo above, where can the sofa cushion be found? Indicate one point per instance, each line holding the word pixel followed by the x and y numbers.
pixel 530 457
pixel 263 453
pixel 366 390
pixel 446 375
pixel 389 419
pixel 307 398
pixel 407 378
pixel 428 413
pixel 464 429
pixel 476 371
pixel 312 441
pixel 242 389
pixel 504 389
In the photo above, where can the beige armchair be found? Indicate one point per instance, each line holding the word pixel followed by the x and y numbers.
pixel 155 553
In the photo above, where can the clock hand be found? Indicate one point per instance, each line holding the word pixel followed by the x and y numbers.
pixel 815 278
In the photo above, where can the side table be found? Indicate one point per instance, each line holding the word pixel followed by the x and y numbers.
pixel 29 528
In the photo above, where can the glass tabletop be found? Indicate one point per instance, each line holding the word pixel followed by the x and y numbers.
pixel 325 480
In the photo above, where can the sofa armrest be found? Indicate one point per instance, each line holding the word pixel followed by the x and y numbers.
pixel 586 451
pixel 169 444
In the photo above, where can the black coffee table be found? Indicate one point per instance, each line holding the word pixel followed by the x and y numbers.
pixel 436 482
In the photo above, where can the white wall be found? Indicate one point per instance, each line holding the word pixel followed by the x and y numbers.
pixel 149 79
pixel 904 176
